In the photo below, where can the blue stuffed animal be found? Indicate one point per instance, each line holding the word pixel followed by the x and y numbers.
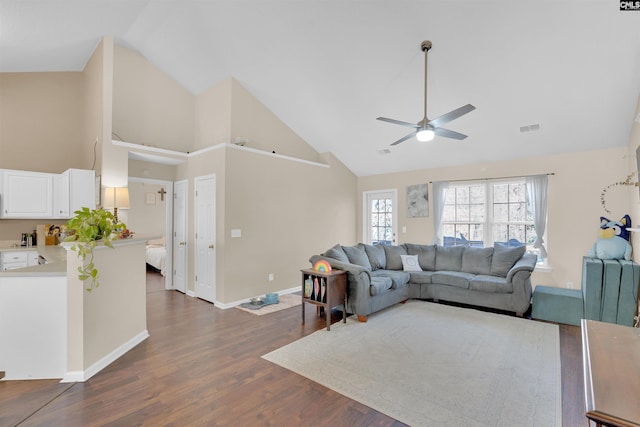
pixel 613 240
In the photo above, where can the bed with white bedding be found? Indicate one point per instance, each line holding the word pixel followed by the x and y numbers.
pixel 156 253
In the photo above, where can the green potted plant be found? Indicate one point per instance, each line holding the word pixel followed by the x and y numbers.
pixel 88 228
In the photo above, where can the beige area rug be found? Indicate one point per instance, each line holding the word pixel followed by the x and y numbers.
pixel 284 301
pixel 428 364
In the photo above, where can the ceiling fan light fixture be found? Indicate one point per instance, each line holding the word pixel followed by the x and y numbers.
pixel 425 135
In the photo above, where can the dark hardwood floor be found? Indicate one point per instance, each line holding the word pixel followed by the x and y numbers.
pixel 201 366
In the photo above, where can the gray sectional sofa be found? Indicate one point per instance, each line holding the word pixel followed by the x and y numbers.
pixel 380 276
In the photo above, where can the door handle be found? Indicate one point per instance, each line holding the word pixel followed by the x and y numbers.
pixel 182 243
pixel 210 246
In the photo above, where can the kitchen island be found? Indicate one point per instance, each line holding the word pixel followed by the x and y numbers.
pixel 51 327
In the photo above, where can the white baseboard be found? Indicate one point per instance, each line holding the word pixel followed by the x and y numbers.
pixel 82 376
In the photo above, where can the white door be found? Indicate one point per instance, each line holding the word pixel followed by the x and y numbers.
pixel 380 212
pixel 180 236
pixel 205 233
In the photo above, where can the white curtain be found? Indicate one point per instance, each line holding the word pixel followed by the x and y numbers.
pixel 439 196
pixel 537 195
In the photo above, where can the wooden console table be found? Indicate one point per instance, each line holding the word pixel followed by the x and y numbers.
pixel 611 357
pixel 331 291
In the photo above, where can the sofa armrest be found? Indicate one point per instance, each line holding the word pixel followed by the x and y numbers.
pixel 526 263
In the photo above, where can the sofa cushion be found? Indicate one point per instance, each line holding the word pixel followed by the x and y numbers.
pixel 477 260
pixel 449 258
pixel 377 259
pixel 421 277
pixel 336 252
pixel 398 277
pixel 493 284
pixel 426 255
pixel 392 253
pixel 504 258
pixel 357 255
pixel 456 279
pixel 379 285
pixel 410 263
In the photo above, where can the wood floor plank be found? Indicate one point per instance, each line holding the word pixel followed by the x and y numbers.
pixel 203 366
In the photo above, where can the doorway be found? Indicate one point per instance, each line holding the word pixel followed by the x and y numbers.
pixel 151 215
pixel 380 209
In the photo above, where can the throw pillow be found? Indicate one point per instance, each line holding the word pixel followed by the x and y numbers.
pixel 504 258
pixel 336 252
pixel 357 256
pixel 392 253
pixel 410 263
pixel 376 255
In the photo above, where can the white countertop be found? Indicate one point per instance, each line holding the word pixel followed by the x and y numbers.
pixel 56 256
pixel 56 265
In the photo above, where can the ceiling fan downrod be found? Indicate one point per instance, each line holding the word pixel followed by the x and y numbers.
pixel 426 133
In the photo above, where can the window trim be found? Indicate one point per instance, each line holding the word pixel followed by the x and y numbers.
pixel 488 221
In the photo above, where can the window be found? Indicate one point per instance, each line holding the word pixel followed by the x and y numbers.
pixel 483 213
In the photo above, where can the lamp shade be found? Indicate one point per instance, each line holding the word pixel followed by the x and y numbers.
pixel 116 197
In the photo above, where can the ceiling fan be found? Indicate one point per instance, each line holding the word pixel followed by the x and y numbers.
pixel 425 129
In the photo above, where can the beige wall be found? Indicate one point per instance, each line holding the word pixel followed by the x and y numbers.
pixel 150 107
pixel 213 116
pixel 40 118
pixel 93 100
pixel 287 211
pixel 634 143
pixel 108 318
pixel 115 159
pixel 574 207
pixel 264 130
pixel 142 169
pixel 146 215
pixel 207 163
pixel 50 122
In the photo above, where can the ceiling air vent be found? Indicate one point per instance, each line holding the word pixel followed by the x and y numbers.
pixel 530 128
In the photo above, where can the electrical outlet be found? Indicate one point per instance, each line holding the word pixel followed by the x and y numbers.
pixel 270 277
pixel 569 285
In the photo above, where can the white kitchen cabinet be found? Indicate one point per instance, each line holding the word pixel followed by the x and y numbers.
pixel 73 190
pixel 40 195
pixel 10 260
pixel 26 194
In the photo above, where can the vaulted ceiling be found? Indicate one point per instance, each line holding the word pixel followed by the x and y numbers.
pixel 328 68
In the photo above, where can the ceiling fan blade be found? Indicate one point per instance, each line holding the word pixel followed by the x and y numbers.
pixel 404 138
pixel 449 133
pixel 398 122
pixel 451 115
